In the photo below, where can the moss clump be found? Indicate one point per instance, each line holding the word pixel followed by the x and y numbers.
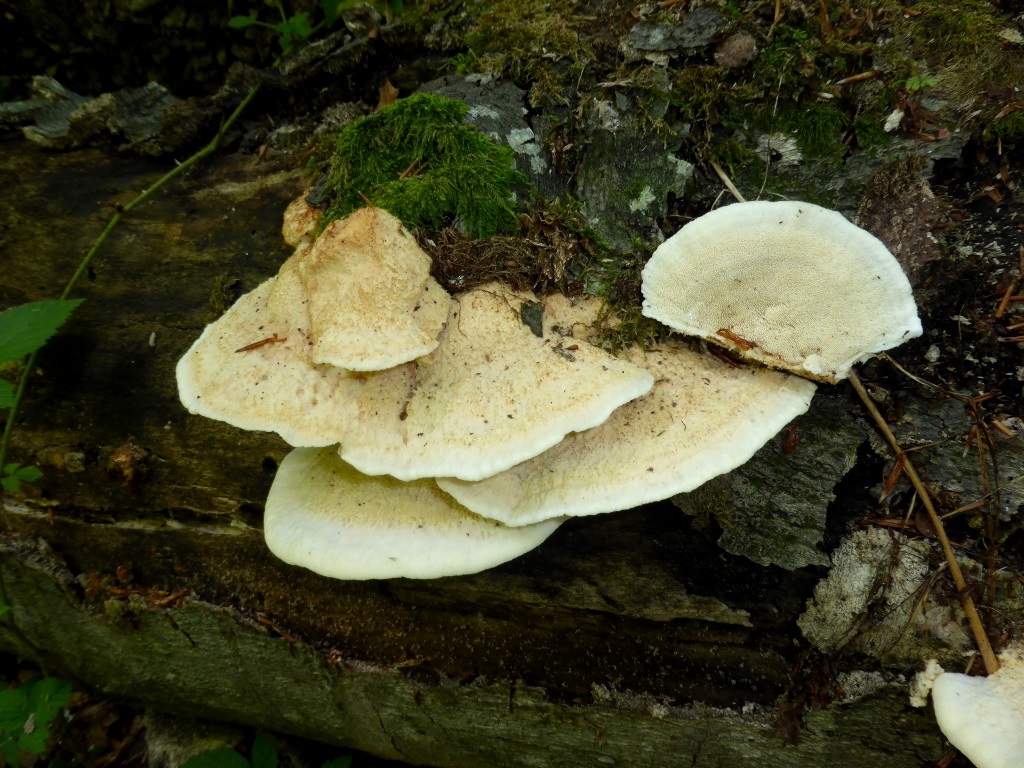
pixel 1010 125
pixel 954 30
pixel 420 161
pixel 818 127
pixel 621 320
pixel 534 43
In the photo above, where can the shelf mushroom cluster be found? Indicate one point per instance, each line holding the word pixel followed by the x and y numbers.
pixel 440 435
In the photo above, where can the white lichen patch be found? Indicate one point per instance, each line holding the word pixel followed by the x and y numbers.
pixel 871 602
pixel 684 170
pixel 482 110
pixel 642 201
pixel 779 149
pixel 523 142
pixel 858 683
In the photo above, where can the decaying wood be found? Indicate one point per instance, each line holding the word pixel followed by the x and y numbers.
pixel 137 564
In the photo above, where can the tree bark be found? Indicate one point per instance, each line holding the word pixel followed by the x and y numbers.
pixel 137 565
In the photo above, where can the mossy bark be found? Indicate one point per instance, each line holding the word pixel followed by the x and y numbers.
pixel 205 660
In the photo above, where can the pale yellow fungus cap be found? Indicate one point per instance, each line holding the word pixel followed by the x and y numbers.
pixel 372 303
pixel 300 219
pixel 702 418
pixel 492 395
pixel 983 717
pixel 251 369
pixel 323 515
pixel 788 284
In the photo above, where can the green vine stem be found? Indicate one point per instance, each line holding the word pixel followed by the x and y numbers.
pixel 111 225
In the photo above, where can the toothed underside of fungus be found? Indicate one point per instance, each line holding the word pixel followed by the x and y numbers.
pixel 702 418
pixel 788 284
pixel 493 394
pixel 323 515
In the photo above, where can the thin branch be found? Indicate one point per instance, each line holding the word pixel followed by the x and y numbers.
pixel 728 182
pixel 977 628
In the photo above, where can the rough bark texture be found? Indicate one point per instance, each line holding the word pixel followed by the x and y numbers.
pixel 138 567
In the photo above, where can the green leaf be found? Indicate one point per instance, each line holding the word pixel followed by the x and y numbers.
pixel 9 747
pixel 397 6
pixel 4 609
pixel 263 753
pixel 47 696
pixel 14 712
pixel 6 394
pixel 25 329
pixel 339 762
pixel 10 484
pixel 217 758
pixel 241 22
pixel 294 29
pixel 35 741
pixel 10 469
pixel 28 474
pixel 331 8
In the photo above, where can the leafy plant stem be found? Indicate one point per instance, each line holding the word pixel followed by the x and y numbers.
pixel 111 225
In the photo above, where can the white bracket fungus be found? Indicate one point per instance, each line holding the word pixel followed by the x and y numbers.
pixel 353 343
pixel 323 515
pixel 259 365
pixel 701 419
pixel 492 395
pixel 983 717
pixel 300 219
pixel 788 284
pixel 251 369
pixel 372 302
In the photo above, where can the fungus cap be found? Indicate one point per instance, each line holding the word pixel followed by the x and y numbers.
pixel 300 219
pixel 323 515
pixel 491 395
pixel 789 284
pixel 251 369
pixel 983 717
pixel 366 279
pixel 701 419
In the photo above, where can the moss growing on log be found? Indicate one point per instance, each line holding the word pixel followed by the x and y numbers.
pixel 419 160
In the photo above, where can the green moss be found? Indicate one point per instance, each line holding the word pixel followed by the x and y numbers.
pixel 870 131
pixel 535 44
pixel 633 328
pixel 733 156
pixel 420 161
pixel 819 129
pixel 621 320
pixel 789 60
pixel 955 30
pixel 817 126
pixel 1009 126
pixel 960 44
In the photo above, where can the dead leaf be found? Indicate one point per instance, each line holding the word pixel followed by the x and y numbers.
pixel 388 95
